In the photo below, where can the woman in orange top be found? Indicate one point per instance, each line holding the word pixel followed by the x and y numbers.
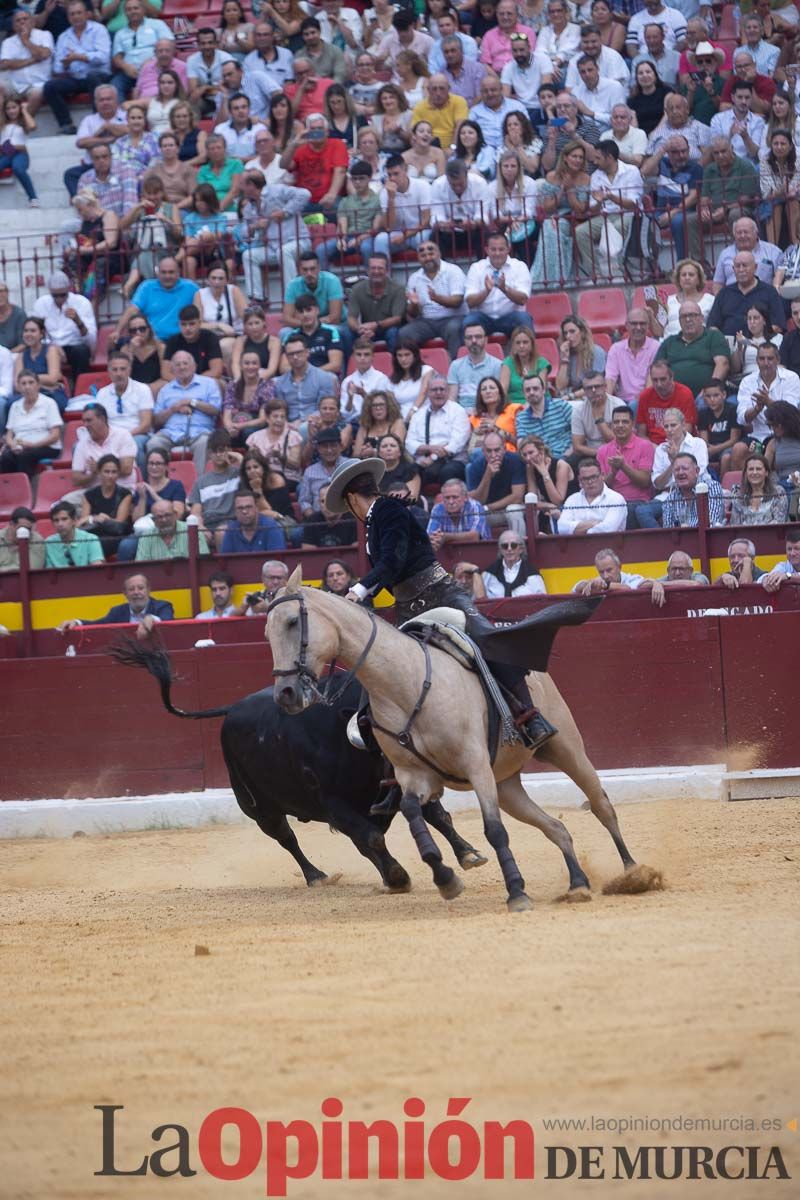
pixel 492 411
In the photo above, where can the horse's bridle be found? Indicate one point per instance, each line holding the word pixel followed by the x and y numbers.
pixel 301 669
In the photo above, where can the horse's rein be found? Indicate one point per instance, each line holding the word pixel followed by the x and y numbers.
pixel 301 668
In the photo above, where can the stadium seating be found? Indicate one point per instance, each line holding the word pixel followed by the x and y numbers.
pixel 548 310
pixel 14 490
pixel 90 379
pixel 185 471
pixel 437 358
pixel 603 309
pixel 68 441
pixel 53 485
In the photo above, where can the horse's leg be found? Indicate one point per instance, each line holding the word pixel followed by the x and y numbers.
pixel 485 787
pixel 277 827
pixel 445 878
pixel 514 800
pixel 437 815
pixel 571 758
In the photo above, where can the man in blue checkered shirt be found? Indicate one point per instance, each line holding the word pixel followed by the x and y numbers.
pixel 457 518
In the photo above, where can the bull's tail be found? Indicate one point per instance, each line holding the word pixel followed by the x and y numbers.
pixel 132 653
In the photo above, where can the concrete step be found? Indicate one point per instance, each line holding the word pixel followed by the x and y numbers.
pixel 49 158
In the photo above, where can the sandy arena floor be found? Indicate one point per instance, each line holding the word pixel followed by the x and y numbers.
pixel 680 1002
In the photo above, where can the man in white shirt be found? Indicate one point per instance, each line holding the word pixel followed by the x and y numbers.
pixel 435 295
pixel 610 577
pixel 267 159
pixel 129 404
pixel 459 209
pixel 760 389
pixel 240 131
pixel 654 12
pixel 133 44
pixel 528 70
pixel 438 435
pixel 365 379
pixel 204 70
pixel 743 128
pixel 26 61
pixel 677 441
pixel 406 204
pixel 498 288
pixel 595 508
pixel 341 27
pixel 631 141
pixel 595 96
pixel 610 64
pixel 69 322
pixel 616 193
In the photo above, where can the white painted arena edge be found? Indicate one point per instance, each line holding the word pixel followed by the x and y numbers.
pixel 186 810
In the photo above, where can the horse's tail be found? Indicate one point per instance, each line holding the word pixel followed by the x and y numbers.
pixel 132 653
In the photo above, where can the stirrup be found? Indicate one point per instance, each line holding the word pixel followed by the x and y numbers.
pixel 534 729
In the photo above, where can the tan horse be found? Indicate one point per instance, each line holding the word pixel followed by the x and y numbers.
pixel 448 735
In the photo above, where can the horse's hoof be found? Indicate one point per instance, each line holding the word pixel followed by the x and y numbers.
pixel 520 903
pixel 326 880
pixel 472 859
pixel 449 891
pixel 578 895
pixel 637 879
pixel 397 879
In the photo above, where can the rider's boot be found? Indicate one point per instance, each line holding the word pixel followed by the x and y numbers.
pixel 533 728
pixel 389 806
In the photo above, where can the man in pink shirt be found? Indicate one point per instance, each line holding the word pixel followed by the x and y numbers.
pixel 96 439
pixel 627 460
pixel 629 361
pixel 164 60
pixel 496 43
pixel 307 92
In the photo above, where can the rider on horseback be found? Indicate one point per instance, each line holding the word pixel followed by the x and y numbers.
pixel 403 561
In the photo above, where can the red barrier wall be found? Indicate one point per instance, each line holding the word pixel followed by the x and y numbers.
pixel 647 689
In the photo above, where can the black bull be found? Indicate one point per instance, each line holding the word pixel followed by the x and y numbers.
pixel 301 766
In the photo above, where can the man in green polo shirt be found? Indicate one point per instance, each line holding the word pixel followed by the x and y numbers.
pixel 70 546
pixel 171 537
pixel 730 186
pixel 696 354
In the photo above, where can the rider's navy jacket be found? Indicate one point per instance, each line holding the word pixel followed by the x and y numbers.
pixel 397 546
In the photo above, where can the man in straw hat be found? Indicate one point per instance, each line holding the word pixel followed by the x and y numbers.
pixel 403 561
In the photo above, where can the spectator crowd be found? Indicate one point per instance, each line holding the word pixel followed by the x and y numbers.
pixel 310 154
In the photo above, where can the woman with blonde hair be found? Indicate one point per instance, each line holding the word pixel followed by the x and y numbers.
pixel 191 138
pixel 412 74
pixel 690 281
pixel 520 363
pixel 577 355
pixel 563 195
pixel 515 194
pixel 380 414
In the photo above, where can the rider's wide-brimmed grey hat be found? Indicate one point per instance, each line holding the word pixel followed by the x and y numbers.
pixel 334 501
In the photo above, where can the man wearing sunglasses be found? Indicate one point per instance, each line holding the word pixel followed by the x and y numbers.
pixel 69 322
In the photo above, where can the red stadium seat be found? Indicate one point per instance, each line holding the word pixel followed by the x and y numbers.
pixel 52 486
pixel 438 359
pixel 382 361
pixel 603 341
pixel 548 310
pixel 84 383
pixel 603 309
pixel 548 348
pixel 185 471
pixel 274 323
pixel 668 289
pixel 45 526
pixel 729 479
pixel 67 443
pixel 104 335
pixel 728 23
pixel 14 490
pixel 184 8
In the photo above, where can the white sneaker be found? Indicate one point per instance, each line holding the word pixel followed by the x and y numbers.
pixel 34 203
